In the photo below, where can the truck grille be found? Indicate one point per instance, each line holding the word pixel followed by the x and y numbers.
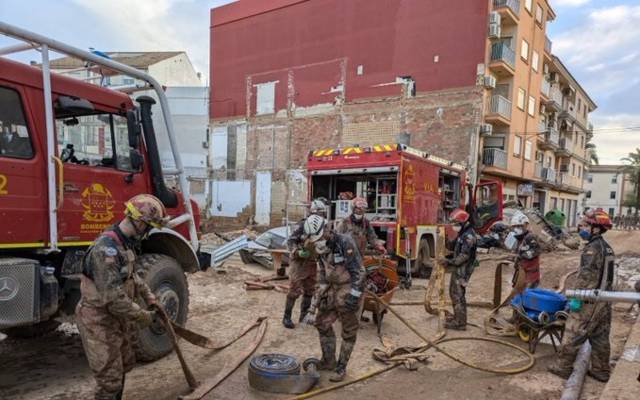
pixel 18 291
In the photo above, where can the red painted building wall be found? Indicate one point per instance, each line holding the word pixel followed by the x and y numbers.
pixel 313 46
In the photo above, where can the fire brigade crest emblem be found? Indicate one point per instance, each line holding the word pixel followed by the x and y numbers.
pixel 409 184
pixel 98 203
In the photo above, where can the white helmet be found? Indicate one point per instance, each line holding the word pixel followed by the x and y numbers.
pixel 519 218
pixel 314 227
pixel 318 206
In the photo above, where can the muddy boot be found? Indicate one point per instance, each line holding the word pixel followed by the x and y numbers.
pixel 345 354
pixel 288 309
pixel 304 307
pixel 600 376
pixel 563 373
pixel 328 345
pixel 455 325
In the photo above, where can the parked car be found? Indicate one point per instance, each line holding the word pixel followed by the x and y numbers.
pixel 257 250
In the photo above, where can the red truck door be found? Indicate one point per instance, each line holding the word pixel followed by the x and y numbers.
pixel 99 173
pixel 487 201
pixel 23 199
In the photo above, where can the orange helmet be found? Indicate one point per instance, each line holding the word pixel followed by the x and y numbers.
pixel 148 209
pixel 459 215
pixel 597 218
pixel 360 202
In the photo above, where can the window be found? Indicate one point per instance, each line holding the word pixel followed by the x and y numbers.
pixel 588 194
pixel 266 94
pixel 14 134
pixel 535 60
pixel 494 142
pixel 94 139
pixel 528 149
pixel 126 81
pixel 584 114
pixel 517 145
pixel 581 142
pixel 528 4
pixel 573 169
pixel 524 50
pixel 579 171
pixel 522 94
pixel 539 14
pixel 532 106
pixel 614 179
pixel 611 212
pixel 590 178
pixel 612 195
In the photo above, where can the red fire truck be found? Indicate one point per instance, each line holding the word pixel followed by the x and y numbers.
pixel 410 194
pixel 71 154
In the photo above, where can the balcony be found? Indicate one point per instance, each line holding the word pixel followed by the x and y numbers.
pixel 538 170
pixel 550 140
pixel 493 157
pixel 547 46
pixel 509 10
pixel 553 102
pixel 499 112
pixel 564 147
pixel 545 88
pixel 549 175
pixel 503 59
pixel 567 182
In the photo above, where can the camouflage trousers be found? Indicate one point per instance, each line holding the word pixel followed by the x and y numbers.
pixel 302 277
pixel 332 307
pixel 457 292
pixel 593 323
pixel 108 343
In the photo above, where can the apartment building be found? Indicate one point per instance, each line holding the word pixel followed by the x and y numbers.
pixel 537 110
pixel 289 76
pixel 607 187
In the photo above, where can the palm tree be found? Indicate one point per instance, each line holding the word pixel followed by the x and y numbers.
pixel 633 169
pixel 593 154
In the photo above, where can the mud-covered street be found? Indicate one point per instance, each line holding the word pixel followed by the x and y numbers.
pixel 54 366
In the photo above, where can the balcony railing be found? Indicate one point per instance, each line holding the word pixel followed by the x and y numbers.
pixel 562 178
pixel 546 87
pixel 500 105
pixel 538 170
pixel 556 95
pixel 542 127
pixel 564 144
pixel 552 136
pixel 495 158
pixel 501 52
pixel 547 45
pixel 549 174
pixel 514 5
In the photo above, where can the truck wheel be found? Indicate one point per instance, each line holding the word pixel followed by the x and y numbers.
pixel 246 257
pixel 424 264
pixel 32 331
pixel 167 281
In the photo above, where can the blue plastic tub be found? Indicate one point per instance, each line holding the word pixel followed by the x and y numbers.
pixel 543 300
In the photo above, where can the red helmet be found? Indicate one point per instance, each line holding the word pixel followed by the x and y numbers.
pixel 459 215
pixel 360 202
pixel 597 218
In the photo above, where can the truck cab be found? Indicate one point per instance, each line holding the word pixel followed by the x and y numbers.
pixel 410 195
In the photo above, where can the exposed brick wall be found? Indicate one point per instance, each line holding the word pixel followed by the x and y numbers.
pixel 444 123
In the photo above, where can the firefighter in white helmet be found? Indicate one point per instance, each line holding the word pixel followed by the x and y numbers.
pixel 527 248
pixel 302 267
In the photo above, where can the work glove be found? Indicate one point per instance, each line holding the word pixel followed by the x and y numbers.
pixel 444 261
pixel 352 301
pixel 381 249
pixel 575 305
pixel 310 318
pixel 145 318
pixel 303 253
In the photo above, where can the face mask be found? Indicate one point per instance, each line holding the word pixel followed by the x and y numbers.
pixel 321 247
pixel 456 228
pixel 584 233
pixel 518 231
pixel 510 242
pixel 358 217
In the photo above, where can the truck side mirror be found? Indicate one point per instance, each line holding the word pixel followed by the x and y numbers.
pixel 137 161
pixel 134 129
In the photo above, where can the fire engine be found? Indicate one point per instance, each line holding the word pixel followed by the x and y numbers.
pixel 71 154
pixel 410 195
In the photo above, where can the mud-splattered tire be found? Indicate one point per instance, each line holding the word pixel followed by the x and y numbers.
pixel 424 264
pixel 32 331
pixel 167 280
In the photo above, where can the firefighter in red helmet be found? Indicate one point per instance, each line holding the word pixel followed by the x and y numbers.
pixel 359 228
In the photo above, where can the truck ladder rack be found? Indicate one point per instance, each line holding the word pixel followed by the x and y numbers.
pixel 44 44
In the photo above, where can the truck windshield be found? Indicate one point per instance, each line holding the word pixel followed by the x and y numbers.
pixel 94 140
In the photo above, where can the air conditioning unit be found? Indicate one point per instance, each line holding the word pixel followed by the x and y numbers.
pixel 490 82
pixel 554 78
pixel 494 18
pixel 545 69
pixel 486 129
pixel 494 31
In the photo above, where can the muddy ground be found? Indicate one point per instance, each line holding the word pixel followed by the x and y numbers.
pixel 54 367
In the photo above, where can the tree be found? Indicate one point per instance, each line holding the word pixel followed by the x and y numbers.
pixel 632 168
pixel 593 154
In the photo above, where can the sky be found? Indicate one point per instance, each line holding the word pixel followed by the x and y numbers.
pixel 598 40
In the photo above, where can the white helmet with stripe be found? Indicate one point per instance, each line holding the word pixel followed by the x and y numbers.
pixel 314 227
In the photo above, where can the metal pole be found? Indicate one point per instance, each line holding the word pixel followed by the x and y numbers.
pixel 16 48
pixel 51 143
pixel 603 296
pixel 46 42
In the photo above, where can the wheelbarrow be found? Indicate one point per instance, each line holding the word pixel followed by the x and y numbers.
pixel 382 279
pixel 538 313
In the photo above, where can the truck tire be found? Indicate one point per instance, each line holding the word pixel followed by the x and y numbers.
pixel 32 331
pixel 166 279
pixel 246 257
pixel 424 263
